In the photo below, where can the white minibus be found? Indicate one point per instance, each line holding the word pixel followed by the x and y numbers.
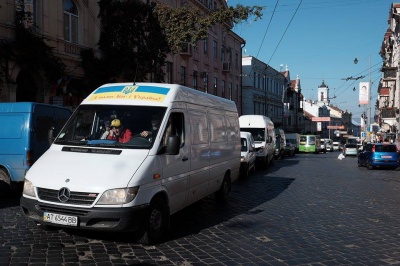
pixel 133 154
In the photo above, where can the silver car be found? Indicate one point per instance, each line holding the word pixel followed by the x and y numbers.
pixel 350 149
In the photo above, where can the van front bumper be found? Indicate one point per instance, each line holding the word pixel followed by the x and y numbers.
pixel 105 219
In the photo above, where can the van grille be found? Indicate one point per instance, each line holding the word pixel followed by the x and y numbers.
pixel 76 198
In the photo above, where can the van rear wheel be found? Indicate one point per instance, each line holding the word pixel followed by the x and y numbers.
pixel 223 193
pixel 155 223
pixel 5 182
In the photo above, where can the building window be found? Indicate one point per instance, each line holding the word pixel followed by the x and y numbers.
pixel 168 75
pixel 205 82
pixel 215 50
pixel 236 60
pixel 223 88
pixel 223 53
pixel 230 90
pixel 183 75
pixel 215 86
pixel 205 43
pixel 70 21
pixel 195 76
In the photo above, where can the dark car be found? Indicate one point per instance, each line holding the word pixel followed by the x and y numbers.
pixel 379 155
pixel 290 149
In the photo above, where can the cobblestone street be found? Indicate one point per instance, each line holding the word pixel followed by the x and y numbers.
pixel 311 209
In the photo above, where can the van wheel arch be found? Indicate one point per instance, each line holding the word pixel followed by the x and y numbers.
pixel 5 181
pixel 157 220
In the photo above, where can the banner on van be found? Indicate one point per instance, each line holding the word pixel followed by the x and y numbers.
pixel 141 93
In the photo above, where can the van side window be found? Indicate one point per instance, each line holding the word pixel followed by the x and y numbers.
pixel 217 128
pixel 199 127
pixel 231 124
pixel 175 126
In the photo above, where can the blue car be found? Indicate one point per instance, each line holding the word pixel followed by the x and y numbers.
pixel 379 155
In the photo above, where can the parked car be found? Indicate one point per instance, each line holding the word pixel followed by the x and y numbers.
pixel 329 145
pixel 290 149
pixel 247 154
pixel 336 146
pixel 323 145
pixel 379 155
pixel 350 149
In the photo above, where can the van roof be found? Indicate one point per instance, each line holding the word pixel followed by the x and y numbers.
pixel 23 107
pixel 157 94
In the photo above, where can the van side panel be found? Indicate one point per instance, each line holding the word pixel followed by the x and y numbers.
pixel 14 142
pixel 25 131
pixel 200 152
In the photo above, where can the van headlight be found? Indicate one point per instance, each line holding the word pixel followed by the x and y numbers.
pixel 29 189
pixel 118 196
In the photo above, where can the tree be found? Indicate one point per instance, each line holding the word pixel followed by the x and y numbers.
pixel 188 24
pixel 136 37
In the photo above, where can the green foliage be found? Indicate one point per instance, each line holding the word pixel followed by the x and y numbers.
pixel 188 24
pixel 132 42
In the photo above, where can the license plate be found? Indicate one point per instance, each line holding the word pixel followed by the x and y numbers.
pixel 60 219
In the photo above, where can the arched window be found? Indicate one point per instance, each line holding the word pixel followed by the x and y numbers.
pixel 70 21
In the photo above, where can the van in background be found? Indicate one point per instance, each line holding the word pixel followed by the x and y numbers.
pixel 24 137
pixel 247 154
pixel 262 129
pixel 280 143
pixel 294 139
pixel 136 182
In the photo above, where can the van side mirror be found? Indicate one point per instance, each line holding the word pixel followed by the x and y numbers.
pixel 173 145
pixel 252 148
pixel 50 135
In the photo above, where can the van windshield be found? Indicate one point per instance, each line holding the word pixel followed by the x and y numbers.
pixel 112 126
pixel 257 133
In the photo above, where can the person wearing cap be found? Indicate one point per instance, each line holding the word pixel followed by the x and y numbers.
pixel 155 123
pixel 118 132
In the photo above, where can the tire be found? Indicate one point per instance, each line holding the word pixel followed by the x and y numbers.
pixel 5 182
pixel 359 163
pixel 369 166
pixel 223 193
pixel 156 222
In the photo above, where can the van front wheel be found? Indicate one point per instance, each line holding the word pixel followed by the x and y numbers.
pixel 155 223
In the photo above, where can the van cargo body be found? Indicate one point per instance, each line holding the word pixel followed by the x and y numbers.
pixel 262 129
pixel 294 139
pixel 88 180
pixel 24 137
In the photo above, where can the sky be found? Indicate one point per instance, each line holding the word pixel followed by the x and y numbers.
pixel 318 40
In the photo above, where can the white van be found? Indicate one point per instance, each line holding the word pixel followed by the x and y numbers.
pixel 262 129
pixel 247 154
pixel 136 183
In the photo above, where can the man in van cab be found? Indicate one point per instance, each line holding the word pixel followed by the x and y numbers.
pixel 118 132
pixel 155 123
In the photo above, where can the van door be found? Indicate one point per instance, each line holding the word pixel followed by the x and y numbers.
pixel 200 152
pixel 42 121
pixel 176 168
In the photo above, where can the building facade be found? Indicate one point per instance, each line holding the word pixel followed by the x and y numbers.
pixel 212 65
pixel 389 87
pixel 264 90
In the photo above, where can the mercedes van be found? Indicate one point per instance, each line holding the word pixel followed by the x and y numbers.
pixel 87 181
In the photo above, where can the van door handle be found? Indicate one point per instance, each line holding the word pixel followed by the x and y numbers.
pixel 185 158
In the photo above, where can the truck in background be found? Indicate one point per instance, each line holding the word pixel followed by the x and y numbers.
pixel 262 129
pixel 27 130
pixel 294 139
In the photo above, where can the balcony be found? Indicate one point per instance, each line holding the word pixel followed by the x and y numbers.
pixel 388 112
pixel 226 67
pixel 186 49
pixel 389 72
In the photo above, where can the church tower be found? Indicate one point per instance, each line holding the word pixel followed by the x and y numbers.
pixel 323 94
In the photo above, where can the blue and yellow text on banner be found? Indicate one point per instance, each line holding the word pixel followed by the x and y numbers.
pixel 134 92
